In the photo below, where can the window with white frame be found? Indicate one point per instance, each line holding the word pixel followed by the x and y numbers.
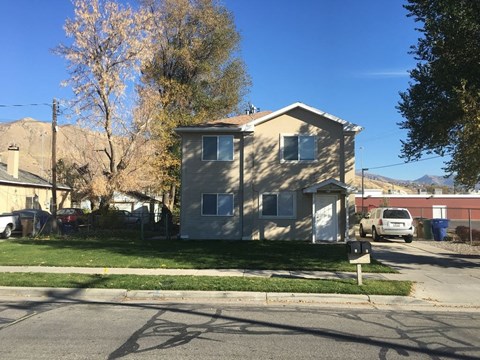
pixel 217 204
pixel 217 148
pixel 281 204
pixel 298 148
pixel 439 211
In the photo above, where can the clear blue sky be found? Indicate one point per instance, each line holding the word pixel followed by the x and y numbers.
pixel 346 57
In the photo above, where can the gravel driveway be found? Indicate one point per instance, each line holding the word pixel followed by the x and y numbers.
pixel 457 247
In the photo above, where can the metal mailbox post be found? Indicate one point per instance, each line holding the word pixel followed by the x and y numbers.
pixel 359 253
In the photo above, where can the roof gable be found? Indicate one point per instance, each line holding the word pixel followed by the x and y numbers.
pixel 328 185
pixel 247 123
pixel 347 126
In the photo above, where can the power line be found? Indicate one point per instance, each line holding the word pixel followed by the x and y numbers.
pixel 403 163
pixel 24 105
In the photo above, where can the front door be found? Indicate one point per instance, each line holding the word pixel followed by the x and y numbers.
pixel 326 218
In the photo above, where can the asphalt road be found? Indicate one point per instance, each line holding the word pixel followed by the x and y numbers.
pixel 89 330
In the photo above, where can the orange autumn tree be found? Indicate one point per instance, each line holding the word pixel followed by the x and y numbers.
pixel 110 42
pixel 139 73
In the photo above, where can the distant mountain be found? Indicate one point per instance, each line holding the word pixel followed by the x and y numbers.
pixel 375 181
pixel 383 178
pixel 35 140
pixel 424 180
pixel 435 180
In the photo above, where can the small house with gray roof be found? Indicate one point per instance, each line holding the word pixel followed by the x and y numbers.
pixel 286 174
pixel 21 189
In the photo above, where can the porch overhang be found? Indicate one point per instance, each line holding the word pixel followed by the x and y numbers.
pixel 330 185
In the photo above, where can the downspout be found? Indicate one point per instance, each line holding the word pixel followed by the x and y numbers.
pixel 342 158
pixel 241 200
pixel 347 218
pixel 314 225
pixel 182 190
pixel 342 179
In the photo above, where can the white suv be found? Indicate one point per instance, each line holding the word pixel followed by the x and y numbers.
pixel 393 222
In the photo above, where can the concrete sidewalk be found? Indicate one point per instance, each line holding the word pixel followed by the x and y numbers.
pixel 194 272
pixel 443 279
pixel 236 296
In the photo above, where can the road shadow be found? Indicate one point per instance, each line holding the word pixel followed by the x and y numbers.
pixel 175 325
pixel 162 332
pixel 400 258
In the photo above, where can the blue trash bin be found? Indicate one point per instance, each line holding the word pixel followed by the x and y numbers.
pixel 439 229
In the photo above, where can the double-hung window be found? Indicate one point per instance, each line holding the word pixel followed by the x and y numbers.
pixel 280 204
pixel 298 148
pixel 217 148
pixel 217 204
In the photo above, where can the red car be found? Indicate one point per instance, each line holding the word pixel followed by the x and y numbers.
pixel 71 216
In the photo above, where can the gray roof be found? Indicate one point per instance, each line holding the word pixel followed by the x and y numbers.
pixel 25 178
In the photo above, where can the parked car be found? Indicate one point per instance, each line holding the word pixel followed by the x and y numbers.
pixel 39 218
pixel 8 223
pixel 114 218
pixel 392 222
pixel 71 216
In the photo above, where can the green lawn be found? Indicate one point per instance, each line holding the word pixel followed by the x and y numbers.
pixel 206 283
pixel 123 249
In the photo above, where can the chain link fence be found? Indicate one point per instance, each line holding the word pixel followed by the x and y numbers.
pixel 159 224
pixel 463 224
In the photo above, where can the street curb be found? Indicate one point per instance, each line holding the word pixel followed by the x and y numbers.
pixel 196 295
pixel 62 293
pixel 121 295
pixel 229 296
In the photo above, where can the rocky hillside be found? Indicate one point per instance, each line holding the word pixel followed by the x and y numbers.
pixel 34 139
pixel 393 186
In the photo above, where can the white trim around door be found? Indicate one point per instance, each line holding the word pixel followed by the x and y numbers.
pixel 325 217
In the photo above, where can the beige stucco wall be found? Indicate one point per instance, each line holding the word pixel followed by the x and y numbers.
pixel 269 171
pixel 270 174
pixel 15 197
pixel 199 177
pixel 264 172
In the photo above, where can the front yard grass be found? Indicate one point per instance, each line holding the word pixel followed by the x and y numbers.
pixel 124 250
pixel 206 283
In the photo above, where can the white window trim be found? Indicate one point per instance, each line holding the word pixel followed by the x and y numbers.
pixel 218 148
pixel 282 160
pixel 294 216
pixel 442 209
pixel 217 215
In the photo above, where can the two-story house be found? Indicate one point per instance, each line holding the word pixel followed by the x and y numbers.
pixel 269 175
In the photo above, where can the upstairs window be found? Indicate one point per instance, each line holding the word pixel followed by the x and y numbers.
pixel 278 204
pixel 217 204
pixel 217 148
pixel 298 148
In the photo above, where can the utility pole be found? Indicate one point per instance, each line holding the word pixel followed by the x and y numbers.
pixel 54 164
pixel 363 188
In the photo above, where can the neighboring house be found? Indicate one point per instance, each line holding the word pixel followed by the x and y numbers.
pixel 147 207
pixel 23 190
pixel 269 175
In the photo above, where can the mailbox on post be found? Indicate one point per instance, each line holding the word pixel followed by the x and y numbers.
pixel 359 253
pixel 366 247
pixel 354 248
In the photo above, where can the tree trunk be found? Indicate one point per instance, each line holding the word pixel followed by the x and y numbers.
pixel 173 191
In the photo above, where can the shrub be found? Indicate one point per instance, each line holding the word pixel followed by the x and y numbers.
pixel 463 232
